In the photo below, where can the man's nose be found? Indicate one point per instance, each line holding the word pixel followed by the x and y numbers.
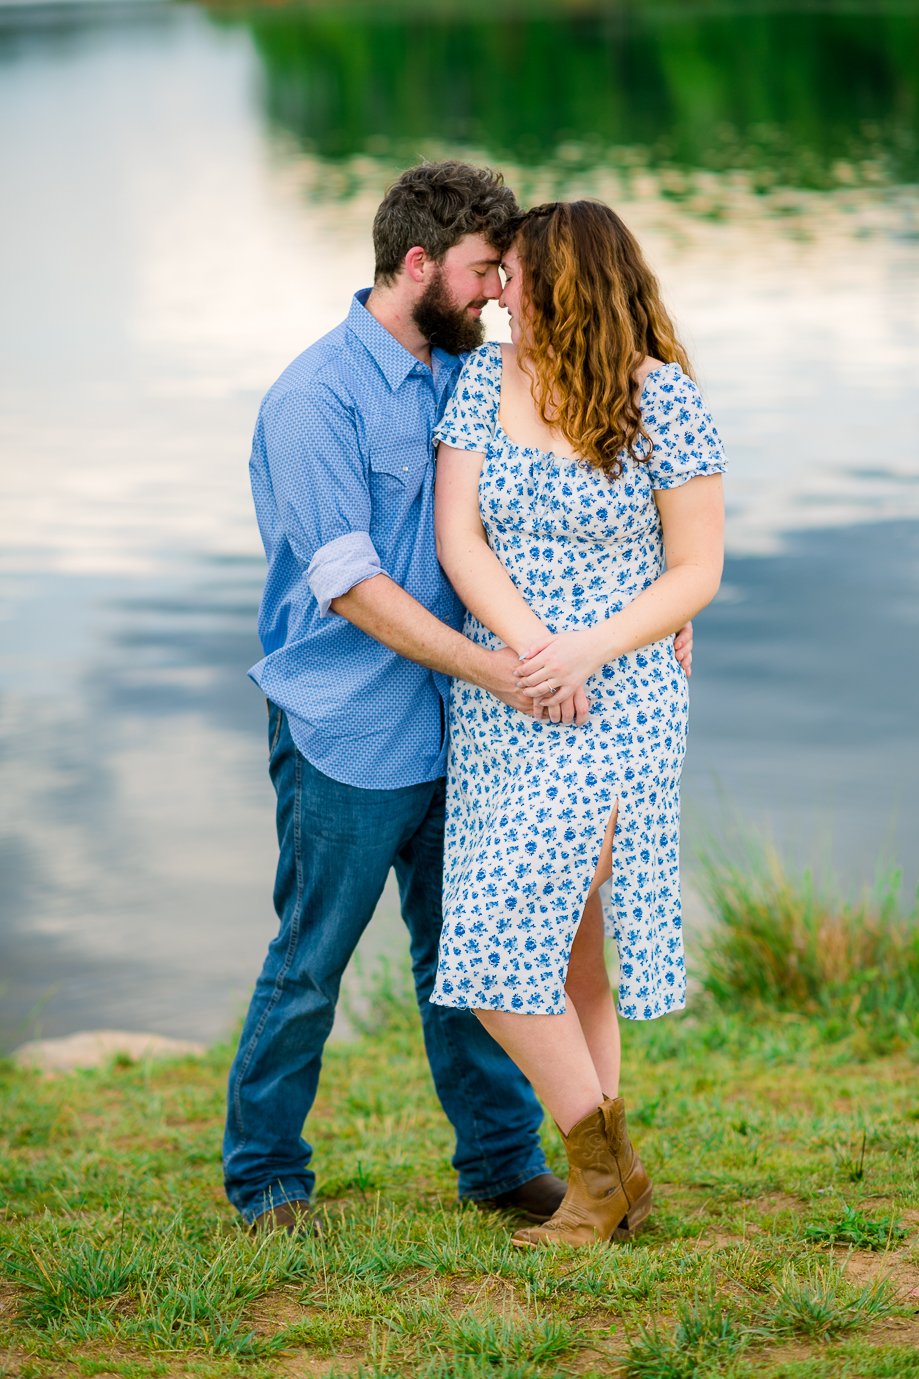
pixel 494 284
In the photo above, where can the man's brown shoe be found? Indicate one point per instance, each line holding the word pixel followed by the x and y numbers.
pixel 537 1199
pixel 293 1218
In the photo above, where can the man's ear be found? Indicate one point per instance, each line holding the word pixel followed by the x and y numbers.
pixel 416 263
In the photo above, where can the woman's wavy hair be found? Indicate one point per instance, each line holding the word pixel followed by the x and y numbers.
pixel 595 312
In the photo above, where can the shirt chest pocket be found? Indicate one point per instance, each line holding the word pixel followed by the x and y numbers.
pixel 398 469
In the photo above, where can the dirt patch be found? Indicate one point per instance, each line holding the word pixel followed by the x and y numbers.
pixel 717 1241
pixel 278 1309
pixel 9 1302
pixel 312 1368
pixel 73 1366
pixel 756 1214
pixel 771 1203
pixel 863 1267
pixel 895 1331
pixel 96 1048
pixel 466 1294
pixel 789 1353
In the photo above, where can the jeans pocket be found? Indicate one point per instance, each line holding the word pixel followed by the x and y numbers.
pixel 275 724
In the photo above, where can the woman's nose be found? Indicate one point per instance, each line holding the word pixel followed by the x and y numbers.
pixel 495 287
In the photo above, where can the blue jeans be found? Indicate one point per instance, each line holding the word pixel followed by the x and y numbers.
pixel 337 844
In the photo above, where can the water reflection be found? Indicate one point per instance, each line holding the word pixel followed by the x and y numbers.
pixel 137 864
pixel 219 175
pixel 804 711
pixel 127 836
pixel 797 96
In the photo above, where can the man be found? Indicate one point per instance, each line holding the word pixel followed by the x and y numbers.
pixel 360 630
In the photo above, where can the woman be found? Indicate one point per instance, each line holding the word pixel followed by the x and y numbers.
pixel 579 517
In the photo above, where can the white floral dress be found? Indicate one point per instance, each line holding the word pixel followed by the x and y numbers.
pixel 528 802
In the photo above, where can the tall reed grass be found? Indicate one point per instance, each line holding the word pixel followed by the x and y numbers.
pixel 783 942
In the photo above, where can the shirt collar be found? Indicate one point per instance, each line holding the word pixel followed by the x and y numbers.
pixel 394 361
pixel 448 365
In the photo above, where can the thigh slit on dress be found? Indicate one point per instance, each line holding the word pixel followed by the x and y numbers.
pixel 528 801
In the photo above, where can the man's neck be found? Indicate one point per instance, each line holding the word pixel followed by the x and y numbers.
pixel 394 314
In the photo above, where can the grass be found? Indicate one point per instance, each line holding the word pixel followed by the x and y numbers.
pixel 706 1338
pixel 858 1230
pixel 780 943
pixel 820 1302
pixel 783 1141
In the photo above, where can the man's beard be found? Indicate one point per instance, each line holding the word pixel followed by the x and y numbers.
pixel 445 324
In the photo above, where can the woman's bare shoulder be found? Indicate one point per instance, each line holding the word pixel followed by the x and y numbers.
pixel 647 365
pixel 511 367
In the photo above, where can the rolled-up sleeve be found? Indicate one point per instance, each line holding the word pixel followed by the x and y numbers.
pixel 319 479
pixel 339 565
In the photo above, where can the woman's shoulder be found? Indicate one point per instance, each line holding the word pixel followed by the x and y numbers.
pixel 649 366
pixel 654 376
pixel 468 420
pixel 482 367
pixel 486 356
pixel 682 431
pixel 667 394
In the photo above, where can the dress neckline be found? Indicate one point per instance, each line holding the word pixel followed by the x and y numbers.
pixel 535 449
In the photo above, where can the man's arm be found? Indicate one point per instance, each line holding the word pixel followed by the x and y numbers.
pixel 382 609
pixel 320 488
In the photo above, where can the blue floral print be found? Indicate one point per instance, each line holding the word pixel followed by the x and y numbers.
pixel 528 802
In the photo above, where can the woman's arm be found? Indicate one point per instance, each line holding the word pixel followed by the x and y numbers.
pixel 468 561
pixel 692 518
pixel 474 570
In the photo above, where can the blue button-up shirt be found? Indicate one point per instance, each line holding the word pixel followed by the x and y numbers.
pixel 342 474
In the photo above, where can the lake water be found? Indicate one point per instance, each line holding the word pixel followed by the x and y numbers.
pixel 188 200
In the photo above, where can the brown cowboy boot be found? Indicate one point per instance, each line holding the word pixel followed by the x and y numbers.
pixel 609 1192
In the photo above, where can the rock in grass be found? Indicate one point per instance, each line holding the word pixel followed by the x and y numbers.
pixel 92 1048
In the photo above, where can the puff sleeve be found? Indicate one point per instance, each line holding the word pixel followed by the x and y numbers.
pixel 686 443
pixel 470 417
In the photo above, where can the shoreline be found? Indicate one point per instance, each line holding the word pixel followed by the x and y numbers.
pixel 87 1049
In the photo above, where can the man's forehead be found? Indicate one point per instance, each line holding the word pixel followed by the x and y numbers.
pixel 474 249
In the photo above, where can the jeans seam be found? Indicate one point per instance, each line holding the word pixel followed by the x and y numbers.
pixel 483 1155
pixel 277 733
pixel 289 956
pixel 475 1141
pixel 446 1033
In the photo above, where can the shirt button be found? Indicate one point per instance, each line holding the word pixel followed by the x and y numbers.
pixel 405 469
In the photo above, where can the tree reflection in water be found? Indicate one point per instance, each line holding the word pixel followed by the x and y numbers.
pixel 814 99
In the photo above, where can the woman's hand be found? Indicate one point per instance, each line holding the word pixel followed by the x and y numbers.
pixel 575 710
pixel 553 671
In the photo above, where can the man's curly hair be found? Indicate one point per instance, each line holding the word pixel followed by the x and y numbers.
pixel 434 205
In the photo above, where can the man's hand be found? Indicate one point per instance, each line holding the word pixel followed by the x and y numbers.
pixel 501 681
pixel 682 646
